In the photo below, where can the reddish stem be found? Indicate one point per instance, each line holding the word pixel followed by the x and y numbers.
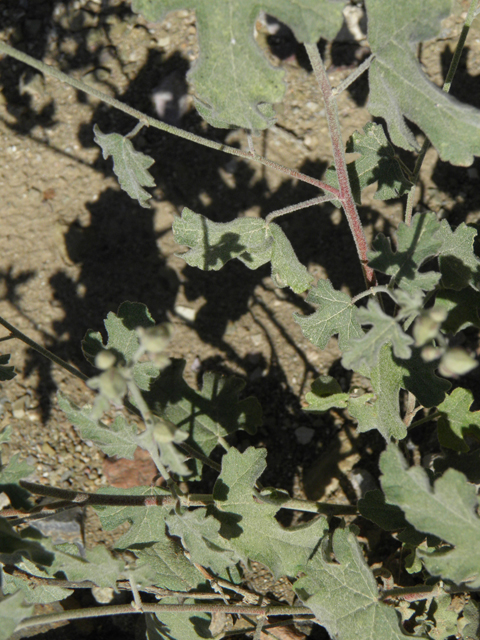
pixel 346 197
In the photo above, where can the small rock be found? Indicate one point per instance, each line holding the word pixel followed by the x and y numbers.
pixel 304 435
pixel 170 98
pixel 187 313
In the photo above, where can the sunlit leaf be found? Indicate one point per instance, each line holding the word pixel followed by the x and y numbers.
pixel 251 240
pixel 234 83
pixel 446 509
pixel 37 593
pixel 118 439
pixel 416 243
pixel 343 593
pixel 250 526
pixel 457 421
pixel 336 315
pixel 12 612
pixel 400 90
pixel 385 330
pixel 174 626
pixel 459 265
pixel 130 166
pixel 97 565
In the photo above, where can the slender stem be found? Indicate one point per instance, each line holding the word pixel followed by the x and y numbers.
pixel 346 196
pixel 122 609
pixel 44 352
pixel 199 456
pixel 417 423
pixel 446 87
pixel 381 288
pixel 325 508
pixel 296 207
pixel 158 124
pixel 353 76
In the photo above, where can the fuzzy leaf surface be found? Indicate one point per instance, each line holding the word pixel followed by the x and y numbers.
pixel 15 470
pixel 250 526
pixel 123 340
pixel 234 83
pixel 326 393
pixel 343 594
pixel 172 626
pixel 447 510
pixel 118 439
pixel 459 265
pixel 457 420
pixel 164 565
pixel 147 523
pixel 12 612
pixel 336 315
pixel 416 243
pixel 462 309
pixel 251 240
pixel 7 372
pixel 387 516
pixel 200 535
pixel 385 330
pixel 377 163
pixel 399 89
pixel 98 565
pixel 214 412
pixel 130 166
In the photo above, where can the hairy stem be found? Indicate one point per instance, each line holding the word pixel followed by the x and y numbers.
pixel 158 124
pixel 446 87
pixel 44 352
pixel 296 207
pixel 346 197
pixel 122 609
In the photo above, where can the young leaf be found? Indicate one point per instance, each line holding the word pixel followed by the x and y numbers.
pixel 326 393
pixel 119 439
pixel 123 340
pixel 165 566
pixel 447 510
pixel 459 265
pixel 385 330
pixel 200 536
pixel 147 523
pixel 416 243
pixel 174 626
pixel 457 421
pixel 7 372
pixel 343 594
pixel 234 83
pixel 208 415
pixel 400 90
pixel 337 314
pixel 12 612
pixel 250 526
pixel 251 240
pixel 378 163
pixel 130 166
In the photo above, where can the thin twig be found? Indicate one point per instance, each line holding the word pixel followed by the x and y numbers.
pixel 446 87
pixel 296 207
pixel 346 197
pixel 44 352
pixel 373 291
pixel 353 76
pixel 158 124
pixel 122 609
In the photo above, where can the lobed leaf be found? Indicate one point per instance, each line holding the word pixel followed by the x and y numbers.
pixel 416 243
pixel 174 626
pixel 235 85
pixel 130 166
pixel 337 315
pixel 251 240
pixel 326 393
pixel 448 509
pixel 123 340
pixel 461 307
pixel 385 330
pixel 457 421
pixel 343 593
pixel 118 439
pixel 40 593
pixel 250 526
pixel 459 265
pixel 97 565
pixel 399 89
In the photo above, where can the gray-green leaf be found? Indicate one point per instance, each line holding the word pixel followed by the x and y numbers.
pixel 130 166
pixel 326 393
pixel 400 90
pixel 448 509
pixel 12 612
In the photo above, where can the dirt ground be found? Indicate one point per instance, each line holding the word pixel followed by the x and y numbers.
pixel 73 246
